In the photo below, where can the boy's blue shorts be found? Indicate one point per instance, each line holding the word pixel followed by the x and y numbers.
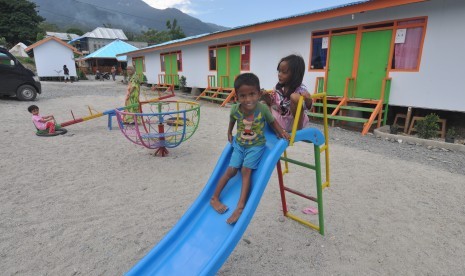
pixel 248 157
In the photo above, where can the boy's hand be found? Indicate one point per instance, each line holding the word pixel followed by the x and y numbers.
pixel 285 135
pixel 230 137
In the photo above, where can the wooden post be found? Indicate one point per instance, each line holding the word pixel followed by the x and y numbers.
pixel 407 119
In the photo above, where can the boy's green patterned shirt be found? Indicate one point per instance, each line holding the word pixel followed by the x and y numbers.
pixel 251 130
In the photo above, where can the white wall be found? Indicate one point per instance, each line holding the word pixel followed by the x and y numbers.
pixel 195 65
pixel 50 58
pixel 152 67
pixel 268 48
pixel 440 82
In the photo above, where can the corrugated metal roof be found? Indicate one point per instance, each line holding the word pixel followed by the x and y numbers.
pixel 47 39
pixel 263 22
pixel 176 41
pixel 62 36
pixel 307 13
pixel 106 33
pixel 112 49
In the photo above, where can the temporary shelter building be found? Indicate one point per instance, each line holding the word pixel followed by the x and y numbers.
pixel 19 50
pixel 104 58
pixel 51 54
pixel 410 50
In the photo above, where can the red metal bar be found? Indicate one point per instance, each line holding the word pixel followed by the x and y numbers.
pixel 162 150
pixel 72 122
pixel 301 194
pixel 281 186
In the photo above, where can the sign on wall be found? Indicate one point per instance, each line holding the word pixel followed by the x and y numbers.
pixel 400 36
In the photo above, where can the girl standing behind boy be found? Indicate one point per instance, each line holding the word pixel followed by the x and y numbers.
pixel 285 96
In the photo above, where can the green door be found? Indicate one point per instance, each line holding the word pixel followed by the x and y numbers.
pixel 171 69
pixel 228 65
pixel 168 69
pixel 234 64
pixel 372 64
pixel 221 65
pixel 341 62
pixel 174 69
pixel 139 64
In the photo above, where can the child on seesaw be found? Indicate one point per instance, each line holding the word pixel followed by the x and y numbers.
pixel 42 122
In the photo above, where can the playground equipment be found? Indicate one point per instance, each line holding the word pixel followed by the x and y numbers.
pixel 58 131
pixel 320 185
pixel 161 95
pixel 161 124
pixel 201 241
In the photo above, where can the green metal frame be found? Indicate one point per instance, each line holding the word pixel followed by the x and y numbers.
pixel 316 167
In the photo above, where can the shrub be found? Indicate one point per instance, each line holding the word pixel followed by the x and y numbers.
pixel 428 127
pixel 81 75
pixel 451 132
pixel 182 83
pixel 393 129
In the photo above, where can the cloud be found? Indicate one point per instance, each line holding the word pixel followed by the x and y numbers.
pixel 183 5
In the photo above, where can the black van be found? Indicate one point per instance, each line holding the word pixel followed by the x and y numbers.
pixel 15 80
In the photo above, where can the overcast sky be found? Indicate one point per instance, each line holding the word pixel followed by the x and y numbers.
pixel 233 13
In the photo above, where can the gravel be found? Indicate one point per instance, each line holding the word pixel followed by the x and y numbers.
pixel 444 159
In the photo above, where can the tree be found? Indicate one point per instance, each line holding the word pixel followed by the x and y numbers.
pixel 3 42
pixel 153 36
pixel 19 21
pixel 45 27
pixel 48 27
pixel 75 31
pixel 174 31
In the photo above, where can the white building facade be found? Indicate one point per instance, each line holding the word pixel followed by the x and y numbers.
pixel 433 80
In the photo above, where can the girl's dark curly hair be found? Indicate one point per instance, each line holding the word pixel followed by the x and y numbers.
pixel 296 65
pixel 32 107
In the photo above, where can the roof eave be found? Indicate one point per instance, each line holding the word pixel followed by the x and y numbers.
pixel 285 22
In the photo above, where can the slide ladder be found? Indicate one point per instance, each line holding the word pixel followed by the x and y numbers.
pixel 316 166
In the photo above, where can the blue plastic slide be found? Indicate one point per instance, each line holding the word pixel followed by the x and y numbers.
pixel 201 241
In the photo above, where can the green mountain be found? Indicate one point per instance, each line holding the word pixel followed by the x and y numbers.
pixel 130 15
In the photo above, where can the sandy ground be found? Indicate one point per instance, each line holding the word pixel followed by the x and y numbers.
pixel 91 203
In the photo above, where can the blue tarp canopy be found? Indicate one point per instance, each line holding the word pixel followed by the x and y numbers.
pixel 113 49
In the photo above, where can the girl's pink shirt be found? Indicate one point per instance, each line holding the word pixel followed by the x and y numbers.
pixel 286 120
pixel 39 125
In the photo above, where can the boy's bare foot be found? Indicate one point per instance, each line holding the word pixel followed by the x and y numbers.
pixel 218 206
pixel 235 216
